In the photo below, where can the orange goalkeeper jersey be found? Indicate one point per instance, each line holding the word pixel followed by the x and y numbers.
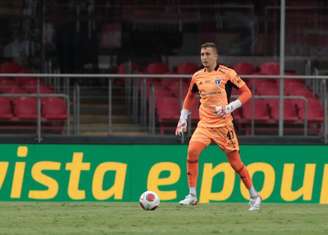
pixel 214 89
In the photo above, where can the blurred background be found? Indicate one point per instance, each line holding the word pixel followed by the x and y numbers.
pixel 107 71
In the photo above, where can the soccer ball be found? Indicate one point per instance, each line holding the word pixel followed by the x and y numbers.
pixel 149 200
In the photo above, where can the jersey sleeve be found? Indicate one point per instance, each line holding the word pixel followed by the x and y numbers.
pixel 190 96
pixel 235 79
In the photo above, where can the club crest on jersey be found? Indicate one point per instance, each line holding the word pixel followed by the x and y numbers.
pixel 218 82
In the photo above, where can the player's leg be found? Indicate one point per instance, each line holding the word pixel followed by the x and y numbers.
pixel 198 142
pixel 194 151
pixel 228 141
pixel 241 170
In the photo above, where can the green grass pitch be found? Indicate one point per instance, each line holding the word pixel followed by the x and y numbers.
pixel 170 218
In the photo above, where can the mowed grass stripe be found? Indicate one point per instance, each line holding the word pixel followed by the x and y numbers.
pixel 170 218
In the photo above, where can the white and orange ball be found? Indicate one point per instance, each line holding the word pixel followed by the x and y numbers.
pixel 149 200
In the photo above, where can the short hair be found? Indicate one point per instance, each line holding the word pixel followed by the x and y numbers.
pixel 209 44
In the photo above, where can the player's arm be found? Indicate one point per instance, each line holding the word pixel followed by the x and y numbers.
pixel 244 95
pixel 186 109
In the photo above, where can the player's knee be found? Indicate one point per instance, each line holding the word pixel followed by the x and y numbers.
pixel 193 153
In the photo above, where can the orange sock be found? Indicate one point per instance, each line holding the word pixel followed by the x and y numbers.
pixel 240 168
pixel 194 150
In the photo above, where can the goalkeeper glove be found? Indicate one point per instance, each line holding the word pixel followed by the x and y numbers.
pixel 221 111
pixel 182 124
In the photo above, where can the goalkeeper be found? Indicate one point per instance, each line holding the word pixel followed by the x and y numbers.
pixel 214 83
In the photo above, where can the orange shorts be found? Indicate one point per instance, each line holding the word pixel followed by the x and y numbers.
pixel 225 137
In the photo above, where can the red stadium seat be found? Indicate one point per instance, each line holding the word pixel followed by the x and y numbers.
pixel 314 115
pixel 244 68
pixel 6 112
pixel 315 112
pixel 157 68
pixel 187 68
pixel 161 93
pixel 294 84
pixel 264 86
pixel 22 80
pixel 271 87
pixel 54 108
pixel 301 91
pixel 8 85
pixel 25 108
pixel 291 113
pixel 272 91
pixel 175 89
pixel 294 87
pixel 169 82
pixel 30 85
pixel 270 68
pixel 267 88
pixel 11 67
pixel 125 68
pixel 168 112
pixel 167 108
pixel 15 90
pixel 261 111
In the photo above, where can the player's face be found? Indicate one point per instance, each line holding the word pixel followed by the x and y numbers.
pixel 209 57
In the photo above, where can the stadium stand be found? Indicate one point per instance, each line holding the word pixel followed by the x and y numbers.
pixel 244 68
pixel 30 86
pixel 6 112
pixel 157 68
pixel 168 111
pixel 291 110
pixel 25 108
pixel 54 108
pixel 19 111
pixel 167 94
pixel 136 34
pixel 11 67
pixel 10 86
pixel 125 68
pixel 269 68
pixel 187 68
pixel 266 111
pixel 259 110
